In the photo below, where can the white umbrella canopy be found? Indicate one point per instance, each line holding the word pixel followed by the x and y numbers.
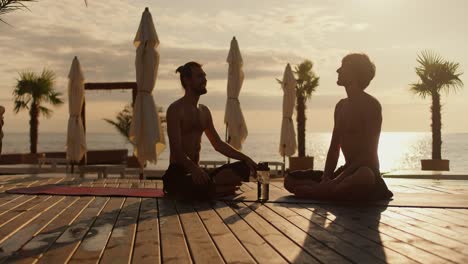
pixel 288 143
pixel 233 118
pixel 76 137
pixel 146 132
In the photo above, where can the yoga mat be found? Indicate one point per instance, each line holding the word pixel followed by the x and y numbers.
pixel 89 191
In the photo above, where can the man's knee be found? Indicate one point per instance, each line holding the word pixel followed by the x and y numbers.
pixel 289 183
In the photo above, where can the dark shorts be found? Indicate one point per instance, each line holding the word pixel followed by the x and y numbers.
pixel 178 181
pixel 380 190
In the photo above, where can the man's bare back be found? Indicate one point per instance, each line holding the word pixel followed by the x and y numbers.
pixel 358 124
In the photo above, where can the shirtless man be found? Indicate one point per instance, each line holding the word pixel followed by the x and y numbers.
pixel 186 122
pixel 358 120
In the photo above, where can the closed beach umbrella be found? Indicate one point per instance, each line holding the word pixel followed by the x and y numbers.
pixel 146 131
pixel 288 144
pixel 76 138
pixel 233 118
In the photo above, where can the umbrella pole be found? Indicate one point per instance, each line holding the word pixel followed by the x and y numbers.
pixel 284 157
pixel 141 172
pixel 226 139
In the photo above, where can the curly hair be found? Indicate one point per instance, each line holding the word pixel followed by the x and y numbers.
pixel 362 66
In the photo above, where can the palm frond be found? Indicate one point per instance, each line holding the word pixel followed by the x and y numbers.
pixel 54 98
pixel 46 112
pixel 420 89
pixel 436 74
pixel 307 80
pixel 7 6
pixel 20 105
pixel 123 122
pixel 31 87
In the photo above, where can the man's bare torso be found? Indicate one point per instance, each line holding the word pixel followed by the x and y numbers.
pixel 359 123
pixel 193 123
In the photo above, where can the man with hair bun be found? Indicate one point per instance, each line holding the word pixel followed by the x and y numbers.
pixel 358 121
pixel 186 122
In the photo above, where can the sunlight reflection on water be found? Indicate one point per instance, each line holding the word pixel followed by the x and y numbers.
pixel 397 150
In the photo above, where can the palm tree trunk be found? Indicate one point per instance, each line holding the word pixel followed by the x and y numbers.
pixel 436 126
pixel 301 120
pixel 33 127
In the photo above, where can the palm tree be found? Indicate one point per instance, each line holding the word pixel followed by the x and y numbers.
pixel 123 121
pixel 31 92
pixel 436 74
pixel 307 82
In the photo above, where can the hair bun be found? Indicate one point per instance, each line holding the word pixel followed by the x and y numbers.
pixel 179 69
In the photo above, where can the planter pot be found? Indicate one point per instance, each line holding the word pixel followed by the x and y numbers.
pixel 301 163
pixel 435 165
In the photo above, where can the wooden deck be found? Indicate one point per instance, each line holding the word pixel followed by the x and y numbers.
pixel 60 229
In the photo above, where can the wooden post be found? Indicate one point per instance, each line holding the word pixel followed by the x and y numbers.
pixel 134 95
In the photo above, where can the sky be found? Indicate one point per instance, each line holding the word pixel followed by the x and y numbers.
pixel 270 33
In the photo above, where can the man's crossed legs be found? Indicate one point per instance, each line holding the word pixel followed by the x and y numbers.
pixel 224 181
pixel 362 184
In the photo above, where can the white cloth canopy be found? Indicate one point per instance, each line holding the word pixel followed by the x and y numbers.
pixel 233 118
pixel 146 132
pixel 76 138
pixel 288 143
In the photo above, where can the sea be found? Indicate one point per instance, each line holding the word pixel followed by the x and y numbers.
pixel 397 150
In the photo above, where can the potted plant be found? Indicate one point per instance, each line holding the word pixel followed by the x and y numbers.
pixel 307 83
pixel 436 74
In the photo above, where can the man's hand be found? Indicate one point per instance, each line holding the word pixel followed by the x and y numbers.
pixel 252 165
pixel 199 176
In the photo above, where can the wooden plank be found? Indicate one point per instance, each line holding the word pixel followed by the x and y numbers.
pixel 150 184
pixel 22 235
pixel 201 246
pixel 443 246
pixel 120 246
pixel 258 248
pixel 44 238
pixel 461 212
pixel 400 231
pixel 174 248
pixel 147 241
pixel 66 244
pixel 19 210
pixel 230 248
pixel 93 244
pixel 431 224
pixel 287 248
pixel 24 216
pixel 369 228
pixel 312 241
pixel 327 231
pixel 8 198
pixel 452 214
pixel 18 201
pixel 437 214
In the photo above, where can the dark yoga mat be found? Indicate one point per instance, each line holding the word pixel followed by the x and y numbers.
pixel 458 201
pixel 89 191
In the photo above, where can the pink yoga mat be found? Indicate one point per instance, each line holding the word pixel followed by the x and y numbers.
pixel 89 191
